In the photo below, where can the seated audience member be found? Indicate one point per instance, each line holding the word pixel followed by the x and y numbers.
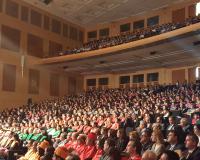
pixel 31 153
pixel 134 136
pixel 172 124
pixel 48 155
pixel 90 148
pixel 133 151
pixel 99 153
pixel 110 151
pixel 145 140
pixel 186 127
pixel 158 142
pixel 41 149
pixel 149 155
pixel 122 140
pixel 173 141
pixel 169 155
pixel 73 141
pixel 61 153
pixel 72 157
pixel 193 152
pixel 80 147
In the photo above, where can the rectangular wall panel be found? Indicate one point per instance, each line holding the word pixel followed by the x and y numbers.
pixel 54 48
pixel 178 76
pixel 35 46
pixel 178 15
pixel 1 6
pixel 34 81
pixel 12 8
pixel 54 84
pixel 36 18
pixel 10 38
pixel 9 77
pixel 24 13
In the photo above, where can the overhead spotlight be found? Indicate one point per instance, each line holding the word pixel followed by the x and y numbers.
pixel 47 2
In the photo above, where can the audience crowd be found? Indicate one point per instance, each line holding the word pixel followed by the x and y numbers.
pixel 131 36
pixel 154 123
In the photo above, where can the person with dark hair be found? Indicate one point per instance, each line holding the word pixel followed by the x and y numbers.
pixel 90 148
pixel 172 124
pixel 191 142
pixel 172 139
pixel 99 153
pixel 122 140
pixel 169 155
pixel 145 140
pixel 80 147
pixel 48 155
pixel 133 150
pixel 110 152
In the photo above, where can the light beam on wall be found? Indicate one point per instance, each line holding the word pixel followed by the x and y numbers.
pixel 197 9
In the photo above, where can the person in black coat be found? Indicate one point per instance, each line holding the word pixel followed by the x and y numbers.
pixel 193 152
pixel 173 141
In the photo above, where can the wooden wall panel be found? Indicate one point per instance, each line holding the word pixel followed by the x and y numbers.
pixel 24 13
pixel 71 85
pixel 54 84
pixel 1 6
pixel 178 15
pixel 36 18
pixel 65 30
pixel 81 36
pixel 54 48
pixel 192 10
pixel 178 75
pixel 73 34
pixel 191 75
pixel 46 22
pixel 10 38
pixel 9 77
pixel 34 81
pixel 56 26
pixel 35 46
pixel 12 8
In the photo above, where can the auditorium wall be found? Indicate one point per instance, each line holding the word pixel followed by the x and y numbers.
pixel 27 34
pixel 165 76
pixel 173 12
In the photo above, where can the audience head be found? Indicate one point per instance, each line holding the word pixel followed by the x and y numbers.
pixel 169 155
pixel 91 138
pixel 149 155
pixel 145 136
pixel 172 137
pixel 134 147
pixel 191 141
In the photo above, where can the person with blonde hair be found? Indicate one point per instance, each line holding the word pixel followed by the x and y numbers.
pixel 158 142
pixel 149 155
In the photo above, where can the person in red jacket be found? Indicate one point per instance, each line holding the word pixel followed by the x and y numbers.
pixel 80 147
pixel 90 148
pixel 99 153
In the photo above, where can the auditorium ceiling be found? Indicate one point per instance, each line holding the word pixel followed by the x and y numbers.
pixel 170 53
pixel 91 12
